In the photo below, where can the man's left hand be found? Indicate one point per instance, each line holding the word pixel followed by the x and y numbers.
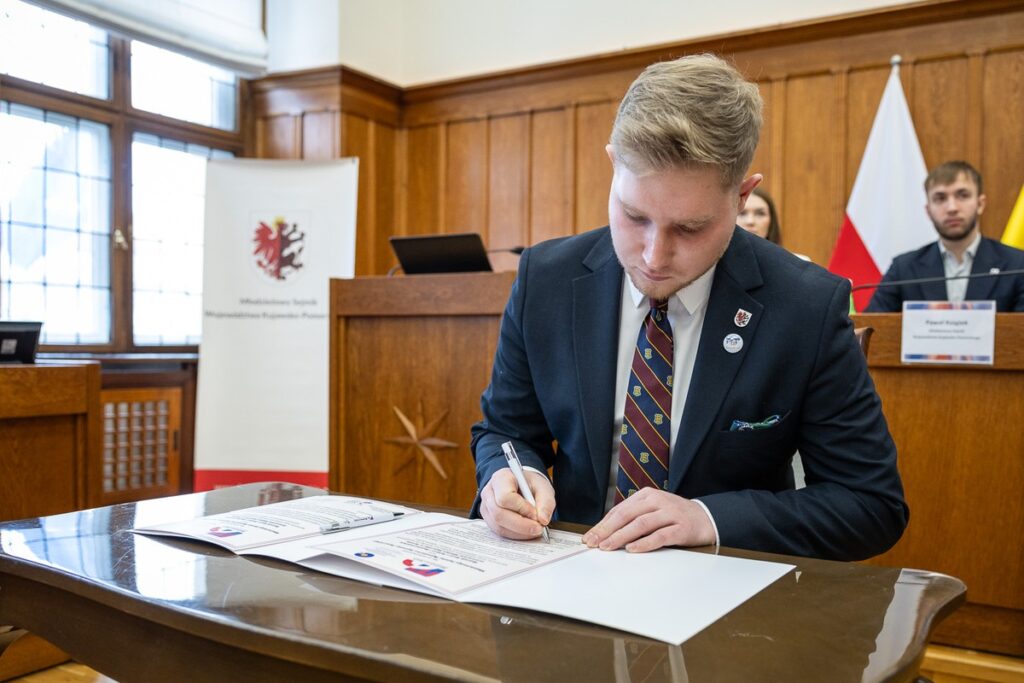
pixel 651 519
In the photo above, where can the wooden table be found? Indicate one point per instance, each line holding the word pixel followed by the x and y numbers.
pixel 139 608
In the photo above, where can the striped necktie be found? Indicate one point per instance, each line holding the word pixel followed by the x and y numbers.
pixel 646 423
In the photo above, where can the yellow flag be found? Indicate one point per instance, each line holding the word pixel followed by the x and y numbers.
pixel 1014 233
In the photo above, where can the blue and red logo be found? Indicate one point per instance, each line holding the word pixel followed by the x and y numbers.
pixel 278 248
pixel 223 531
pixel 422 568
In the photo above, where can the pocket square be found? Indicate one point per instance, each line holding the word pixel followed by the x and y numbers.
pixel 744 426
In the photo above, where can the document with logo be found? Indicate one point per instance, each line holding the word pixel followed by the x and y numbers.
pixel 453 558
pixel 290 520
pixel 668 594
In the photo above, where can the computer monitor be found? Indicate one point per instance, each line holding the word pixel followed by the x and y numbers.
pixel 19 341
pixel 456 253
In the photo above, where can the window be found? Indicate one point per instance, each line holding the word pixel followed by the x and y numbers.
pixel 102 182
pixel 55 223
pixel 174 85
pixel 47 48
pixel 168 201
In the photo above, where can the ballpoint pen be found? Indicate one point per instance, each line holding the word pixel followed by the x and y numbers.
pixel 524 488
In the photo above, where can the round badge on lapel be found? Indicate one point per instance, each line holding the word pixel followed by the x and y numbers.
pixel 732 343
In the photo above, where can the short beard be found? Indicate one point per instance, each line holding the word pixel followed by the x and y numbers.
pixel 969 232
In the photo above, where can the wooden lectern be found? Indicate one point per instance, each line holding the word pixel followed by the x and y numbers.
pixel 409 358
pixel 960 443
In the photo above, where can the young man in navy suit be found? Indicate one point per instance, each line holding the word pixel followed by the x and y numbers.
pixel 666 368
pixel 954 202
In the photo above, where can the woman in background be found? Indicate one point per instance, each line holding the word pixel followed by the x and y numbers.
pixel 759 216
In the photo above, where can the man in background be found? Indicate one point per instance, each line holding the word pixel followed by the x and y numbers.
pixel 954 202
pixel 678 361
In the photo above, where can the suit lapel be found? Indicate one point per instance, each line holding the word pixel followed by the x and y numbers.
pixel 930 265
pixel 715 369
pixel 985 260
pixel 596 299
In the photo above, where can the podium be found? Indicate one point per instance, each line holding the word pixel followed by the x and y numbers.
pixel 409 358
pixel 960 449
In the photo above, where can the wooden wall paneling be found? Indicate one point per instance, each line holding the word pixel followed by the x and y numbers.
pixel 386 187
pixel 841 88
pixel 1002 158
pixel 357 141
pixel 810 142
pixel 508 206
pixel 775 121
pixel 550 202
pixel 423 185
pixel 466 178
pixel 593 168
pixel 282 137
pixel 939 110
pixel 320 135
pixel 761 163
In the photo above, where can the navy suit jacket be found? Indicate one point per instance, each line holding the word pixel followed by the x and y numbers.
pixel 554 381
pixel 1007 291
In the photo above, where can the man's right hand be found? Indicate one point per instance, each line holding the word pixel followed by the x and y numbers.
pixel 507 513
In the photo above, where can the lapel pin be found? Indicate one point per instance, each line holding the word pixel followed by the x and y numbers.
pixel 742 318
pixel 993 271
pixel 732 343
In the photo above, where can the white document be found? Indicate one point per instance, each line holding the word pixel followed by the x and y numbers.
pixel 451 559
pixel 948 332
pixel 668 595
pixel 276 523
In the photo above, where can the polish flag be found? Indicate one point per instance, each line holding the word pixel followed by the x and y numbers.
pixel 885 216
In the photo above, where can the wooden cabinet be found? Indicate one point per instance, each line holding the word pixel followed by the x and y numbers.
pixel 49 433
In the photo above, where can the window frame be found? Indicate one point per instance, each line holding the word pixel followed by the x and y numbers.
pixel 124 122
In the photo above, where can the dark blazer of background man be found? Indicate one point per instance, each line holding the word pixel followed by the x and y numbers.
pixel 672 216
pixel 954 203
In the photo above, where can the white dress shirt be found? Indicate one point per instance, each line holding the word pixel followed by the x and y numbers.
pixel 686 311
pixel 956 290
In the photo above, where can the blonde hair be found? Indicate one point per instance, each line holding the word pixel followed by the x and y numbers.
pixel 692 111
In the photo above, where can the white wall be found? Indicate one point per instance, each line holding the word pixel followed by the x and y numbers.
pixel 411 42
pixel 302 34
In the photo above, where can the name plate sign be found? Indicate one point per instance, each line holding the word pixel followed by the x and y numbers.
pixel 947 332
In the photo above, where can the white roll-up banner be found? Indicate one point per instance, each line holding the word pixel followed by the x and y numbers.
pixel 276 233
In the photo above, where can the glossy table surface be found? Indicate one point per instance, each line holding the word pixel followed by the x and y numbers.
pixel 141 608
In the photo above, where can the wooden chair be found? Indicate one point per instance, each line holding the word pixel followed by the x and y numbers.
pixel 864 338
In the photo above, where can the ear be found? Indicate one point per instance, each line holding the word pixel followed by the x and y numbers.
pixel 982 203
pixel 746 187
pixel 610 151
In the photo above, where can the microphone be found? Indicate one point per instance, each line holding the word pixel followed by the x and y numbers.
pixel 925 280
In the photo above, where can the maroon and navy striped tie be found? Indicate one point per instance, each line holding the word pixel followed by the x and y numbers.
pixel 646 424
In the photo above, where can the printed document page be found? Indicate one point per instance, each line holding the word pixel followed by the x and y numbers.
pixel 454 558
pixel 285 521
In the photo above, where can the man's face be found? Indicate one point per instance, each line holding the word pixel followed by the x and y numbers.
pixel 954 208
pixel 669 227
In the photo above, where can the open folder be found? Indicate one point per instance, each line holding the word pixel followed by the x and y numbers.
pixel 668 595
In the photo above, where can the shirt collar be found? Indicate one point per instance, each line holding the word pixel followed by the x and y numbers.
pixel 969 253
pixel 692 297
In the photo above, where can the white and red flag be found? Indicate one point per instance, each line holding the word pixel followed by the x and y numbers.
pixel 885 216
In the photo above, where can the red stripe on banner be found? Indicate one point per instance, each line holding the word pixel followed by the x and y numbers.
pixel 852 260
pixel 207 480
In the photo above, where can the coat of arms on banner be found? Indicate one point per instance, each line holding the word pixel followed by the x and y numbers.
pixel 277 248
